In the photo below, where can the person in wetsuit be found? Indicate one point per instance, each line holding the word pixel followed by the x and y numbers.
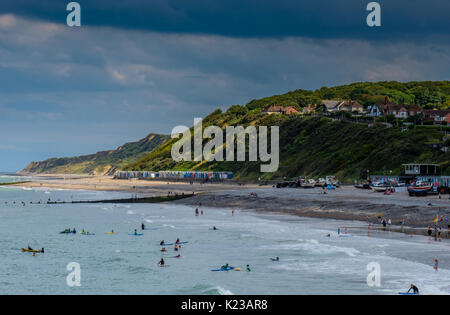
pixel 143 226
pixel 161 262
pixel 414 289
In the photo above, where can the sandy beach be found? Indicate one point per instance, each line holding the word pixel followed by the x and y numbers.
pixel 147 187
pixel 345 203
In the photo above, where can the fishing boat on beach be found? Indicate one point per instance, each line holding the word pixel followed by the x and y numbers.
pixel 331 181
pixel 310 183
pixel 419 188
pixel 381 186
pixel 320 182
pixel 363 186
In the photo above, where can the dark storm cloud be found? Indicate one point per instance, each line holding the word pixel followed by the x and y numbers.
pixel 252 18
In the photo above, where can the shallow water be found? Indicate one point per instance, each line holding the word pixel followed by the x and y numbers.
pixel 311 263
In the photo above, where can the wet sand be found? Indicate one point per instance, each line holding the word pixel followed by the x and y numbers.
pixel 347 203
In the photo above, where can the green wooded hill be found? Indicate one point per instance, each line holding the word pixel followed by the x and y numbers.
pixel 104 162
pixel 426 94
pixel 319 146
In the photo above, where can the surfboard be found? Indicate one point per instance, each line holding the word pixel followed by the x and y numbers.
pixel 224 269
pixel 171 244
pixel 406 293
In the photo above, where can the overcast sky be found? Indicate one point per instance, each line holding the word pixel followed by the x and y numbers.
pixel 136 67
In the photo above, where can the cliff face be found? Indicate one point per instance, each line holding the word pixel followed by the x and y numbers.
pixel 100 163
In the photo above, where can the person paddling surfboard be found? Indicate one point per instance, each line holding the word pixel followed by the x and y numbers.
pixel 414 289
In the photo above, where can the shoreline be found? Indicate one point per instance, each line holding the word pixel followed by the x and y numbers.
pixel 346 203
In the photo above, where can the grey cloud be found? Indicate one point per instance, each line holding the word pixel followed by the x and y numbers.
pixel 59 83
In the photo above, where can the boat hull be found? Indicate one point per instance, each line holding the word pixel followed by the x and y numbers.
pixel 419 191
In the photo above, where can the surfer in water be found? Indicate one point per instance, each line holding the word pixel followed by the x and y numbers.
pixel 414 289
pixel 162 243
pixel 276 259
pixel 161 263
pixel 436 265
pixel 178 241
pixel 143 226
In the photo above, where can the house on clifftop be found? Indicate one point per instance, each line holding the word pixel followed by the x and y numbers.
pixel 288 110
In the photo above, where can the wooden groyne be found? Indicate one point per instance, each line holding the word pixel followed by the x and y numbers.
pixel 14 183
pixel 156 199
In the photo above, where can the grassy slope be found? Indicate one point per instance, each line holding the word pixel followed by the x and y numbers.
pixel 320 146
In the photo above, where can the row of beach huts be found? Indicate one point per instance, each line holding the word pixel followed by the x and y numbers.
pixel 173 175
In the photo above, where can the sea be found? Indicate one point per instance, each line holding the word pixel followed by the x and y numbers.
pixel 313 258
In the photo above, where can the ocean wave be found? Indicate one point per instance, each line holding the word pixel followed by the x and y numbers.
pixel 217 290
pixel 314 246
